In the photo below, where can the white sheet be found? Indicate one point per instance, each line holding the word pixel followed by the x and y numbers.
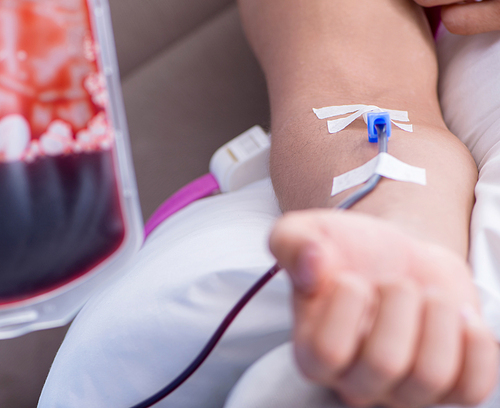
pixel 275 381
pixel 140 333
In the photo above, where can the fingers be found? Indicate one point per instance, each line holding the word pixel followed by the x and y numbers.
pixel 414 352
pixel 326 242
pixel 387 353
pixel 437 362
pixel 294 231
pixel 472 18
pixel 374 335
pixel 301 247
pixel 467 17
pixel 327 337
pixel 478 374
pixel 434 3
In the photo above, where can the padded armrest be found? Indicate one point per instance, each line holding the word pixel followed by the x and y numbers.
pixel 187 90
pixel 144 28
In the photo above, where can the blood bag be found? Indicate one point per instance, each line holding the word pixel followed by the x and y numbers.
pixel 69 211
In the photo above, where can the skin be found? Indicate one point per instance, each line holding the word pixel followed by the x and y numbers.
pixel 467 17
pixel 400 330
pixel 385 309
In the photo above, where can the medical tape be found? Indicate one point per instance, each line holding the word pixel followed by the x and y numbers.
pixel 384 165
pixel 336 125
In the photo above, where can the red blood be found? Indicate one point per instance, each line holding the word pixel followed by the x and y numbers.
pixel 60 216
pixel 43 62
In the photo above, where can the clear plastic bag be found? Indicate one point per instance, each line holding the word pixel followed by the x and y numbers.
pixel 69 211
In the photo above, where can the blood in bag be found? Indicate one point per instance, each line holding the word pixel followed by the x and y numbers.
pixel 61 213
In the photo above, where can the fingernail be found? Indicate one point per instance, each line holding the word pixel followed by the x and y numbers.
pixel 305 278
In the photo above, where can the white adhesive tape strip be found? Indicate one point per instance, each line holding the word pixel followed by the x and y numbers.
pixel 331 111
pixel 336 125
pixel 383 164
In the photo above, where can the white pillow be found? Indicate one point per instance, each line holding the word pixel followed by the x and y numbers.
pixel 136 336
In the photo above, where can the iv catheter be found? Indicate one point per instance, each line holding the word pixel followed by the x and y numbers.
pixel 379 129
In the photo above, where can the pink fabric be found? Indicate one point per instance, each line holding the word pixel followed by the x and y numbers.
pixel 199 188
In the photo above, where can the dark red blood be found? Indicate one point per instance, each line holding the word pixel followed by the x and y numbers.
pixel 60 217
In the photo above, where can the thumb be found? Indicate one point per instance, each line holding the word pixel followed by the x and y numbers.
pixel 305 275
pixel 301 247
pixel 472 18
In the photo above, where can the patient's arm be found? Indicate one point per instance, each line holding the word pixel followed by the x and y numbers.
pixel 318 53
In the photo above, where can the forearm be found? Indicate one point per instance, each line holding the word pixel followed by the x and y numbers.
pixel 318 53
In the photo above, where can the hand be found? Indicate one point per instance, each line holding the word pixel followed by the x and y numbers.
pixel 467 17
pixel 381 317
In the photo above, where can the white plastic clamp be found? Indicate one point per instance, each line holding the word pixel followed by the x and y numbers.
pixel 243 160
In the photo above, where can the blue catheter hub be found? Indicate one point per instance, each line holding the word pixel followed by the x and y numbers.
pixel 378 118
